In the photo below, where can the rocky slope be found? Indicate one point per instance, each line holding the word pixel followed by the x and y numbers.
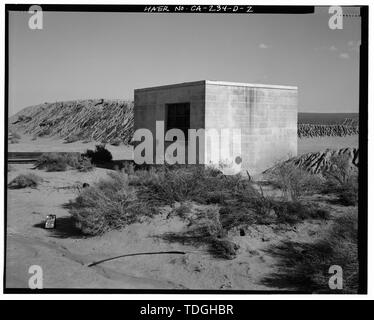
pixel 316 162
pixel 99 120
pixel 109 120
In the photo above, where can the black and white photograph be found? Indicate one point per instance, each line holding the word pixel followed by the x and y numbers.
pixel 185 149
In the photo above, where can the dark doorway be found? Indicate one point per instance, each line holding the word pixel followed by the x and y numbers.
pixel 178 117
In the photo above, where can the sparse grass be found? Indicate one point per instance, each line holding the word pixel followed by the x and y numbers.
pixel 294 182
pixel 129 195
pixel 183 209
pixel 99 155
pixel 270 211
pixel 204 229
pixel 85 165
pixel 342 180
pixel 28 180
pixel 293 212
pixel 107 205
pixel 58 161
pixel 168 185
pixel 305 266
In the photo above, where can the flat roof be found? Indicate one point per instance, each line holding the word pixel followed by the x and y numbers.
pixel 218 83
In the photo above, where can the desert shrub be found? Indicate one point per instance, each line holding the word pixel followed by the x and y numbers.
pixel 58 161
pixel 72 138
pixel 99 155
pixel 293 181
pixel 29 180
pixel 272 212
pixel 204 229
pixel 128 167
pixel 254 199
pixel 305 266
pixel 348 193
pixel 107 205
pixel 252 206
pixel 342 180
pixel 340 170
pixel 223 248
pixel 292 212
pixel 182 210
pixel 85 165
pixel 196 183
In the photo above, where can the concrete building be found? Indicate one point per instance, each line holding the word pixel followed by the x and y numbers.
pixel 265 114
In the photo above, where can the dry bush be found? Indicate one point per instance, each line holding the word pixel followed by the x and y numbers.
pixel 292 212
pixel 183 210
pixel 272 212
pixel 204 229
pixel 85 165
pixel 342 180
pixel 305 266
pixel 107 205
pixel 99 155
pixel 294 182
pixel 196 183
pixel 58 161
pixel 251 206
pixel 223 248
pixel 241 202
pixel 28 180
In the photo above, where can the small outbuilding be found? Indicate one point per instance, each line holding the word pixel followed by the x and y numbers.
pixel 256 124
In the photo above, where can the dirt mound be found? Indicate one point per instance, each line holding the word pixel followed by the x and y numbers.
pixel 100 120
pixel 113 120
pixel 315 162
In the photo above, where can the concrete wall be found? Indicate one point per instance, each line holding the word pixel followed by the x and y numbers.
pixel 266 115
pixel 150 105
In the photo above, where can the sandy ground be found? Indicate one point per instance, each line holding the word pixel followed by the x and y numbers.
pixel 123 152
pixel 306 145
pixel 64 254
pixel 26 144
